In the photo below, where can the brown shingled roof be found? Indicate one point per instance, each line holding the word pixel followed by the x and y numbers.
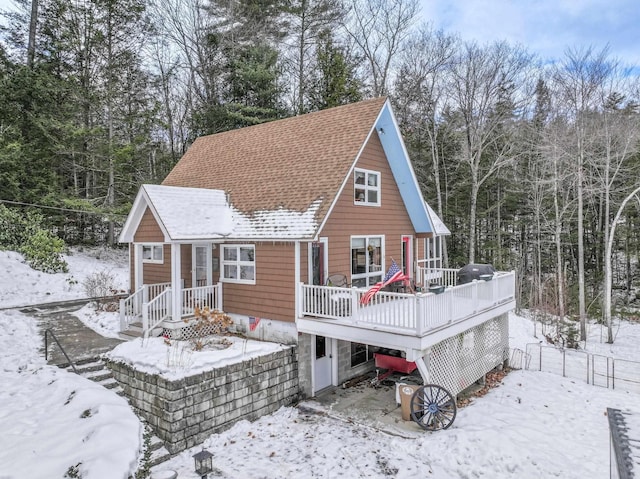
pixel 288 163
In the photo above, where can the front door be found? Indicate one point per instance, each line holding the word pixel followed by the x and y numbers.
pixel 318 259
pixel 323 362
pixel 201 274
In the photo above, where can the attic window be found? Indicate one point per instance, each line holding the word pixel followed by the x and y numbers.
pixel 238 264
pixel 366 187
pixel 152 253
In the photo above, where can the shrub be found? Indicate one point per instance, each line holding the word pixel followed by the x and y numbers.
pixel 25 234
pixel 43 252
pixel 99 285
pixel 12 229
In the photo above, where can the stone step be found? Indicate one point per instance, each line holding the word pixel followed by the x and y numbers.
pixel 158 456
pixel 129 334
pixel 97 375
pixel 86 368
pixel 109 383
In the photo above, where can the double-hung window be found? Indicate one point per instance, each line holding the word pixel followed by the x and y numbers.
pixel 238 264
pixel 366 187
pixel 153 253
pixel 367 253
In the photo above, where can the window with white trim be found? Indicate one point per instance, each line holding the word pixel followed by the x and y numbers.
pixel 366 187
pixel 153 253
pixel 238 264
pixel 360 353
pixel 366 260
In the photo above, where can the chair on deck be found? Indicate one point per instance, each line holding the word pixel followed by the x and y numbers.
pixel 341 301
pixel 338 279
pixel 402 286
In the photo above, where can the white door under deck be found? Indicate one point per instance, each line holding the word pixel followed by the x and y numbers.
pixel 322 363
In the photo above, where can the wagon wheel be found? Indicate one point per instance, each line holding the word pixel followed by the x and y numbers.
pixel 433 407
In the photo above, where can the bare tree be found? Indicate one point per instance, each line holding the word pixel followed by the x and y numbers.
pixel 421 98
pixel 578 80
pixel 308 19
pixel 488 87
pixel 379 29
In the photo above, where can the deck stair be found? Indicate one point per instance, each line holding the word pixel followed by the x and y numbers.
pixel 95 370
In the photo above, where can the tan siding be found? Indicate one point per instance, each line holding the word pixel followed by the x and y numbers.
pixel 149 232
pixel 390 219
pixel 273 294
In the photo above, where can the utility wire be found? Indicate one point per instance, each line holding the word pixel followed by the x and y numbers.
pixel 60 209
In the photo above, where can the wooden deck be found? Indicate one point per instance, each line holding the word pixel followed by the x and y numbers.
pixel 409 322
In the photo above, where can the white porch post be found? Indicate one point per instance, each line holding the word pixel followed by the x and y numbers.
pixel 138 276
pixel 176 282
pixel 296 279
pixel 423 366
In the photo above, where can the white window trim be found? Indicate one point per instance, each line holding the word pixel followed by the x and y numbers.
pixel 382 271
pixel 366 187
pixel 153 246
pixel 238 263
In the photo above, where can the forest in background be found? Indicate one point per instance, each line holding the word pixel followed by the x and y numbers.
pixel 527 162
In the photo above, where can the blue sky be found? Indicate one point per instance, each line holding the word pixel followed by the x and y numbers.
pixel 544 27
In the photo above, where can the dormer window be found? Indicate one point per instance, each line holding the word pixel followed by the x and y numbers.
pixel 366 187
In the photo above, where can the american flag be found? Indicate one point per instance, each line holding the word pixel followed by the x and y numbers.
pixel 253 323
pixel 394 274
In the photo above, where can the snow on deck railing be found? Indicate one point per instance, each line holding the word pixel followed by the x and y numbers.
pixel 419 312
pixel 201 297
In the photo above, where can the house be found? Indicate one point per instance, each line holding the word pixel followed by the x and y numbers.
pixel 255 221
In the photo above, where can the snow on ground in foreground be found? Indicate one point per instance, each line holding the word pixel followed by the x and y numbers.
pixel 52 420
pixel 20 285
pixel 534 425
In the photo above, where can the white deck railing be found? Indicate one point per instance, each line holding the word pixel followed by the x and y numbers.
pixel 131 307
pixel 156 311
pixel 201 297
pixel 419 313
pixel 153 302
pixel 442 276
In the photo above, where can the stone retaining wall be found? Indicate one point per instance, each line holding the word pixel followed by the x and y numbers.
pixel 184 412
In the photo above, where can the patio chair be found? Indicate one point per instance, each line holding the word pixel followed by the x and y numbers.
pixel 341 301
pixel 337 279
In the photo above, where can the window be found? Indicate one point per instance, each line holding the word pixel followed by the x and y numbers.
pixel 152 253
pixel 360 353
pixel 366 187
pixel 366 260
pixel 238 264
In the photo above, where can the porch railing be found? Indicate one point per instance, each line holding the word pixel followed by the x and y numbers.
pixel 419 313
pixel 156 311
pixel 131 307
pixel 442 276
pixel 200 297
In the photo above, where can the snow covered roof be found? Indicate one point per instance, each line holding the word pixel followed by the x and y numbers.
pixel 182 213
pixel 439 227
pixel 188 214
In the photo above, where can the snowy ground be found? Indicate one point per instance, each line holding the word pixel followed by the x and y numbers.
pixel 534 425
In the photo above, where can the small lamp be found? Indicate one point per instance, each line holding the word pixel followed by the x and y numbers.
pixel 203 463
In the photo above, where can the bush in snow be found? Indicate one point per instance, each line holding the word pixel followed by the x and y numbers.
pixel 43 252
pixel 99 284
pixel 25 234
